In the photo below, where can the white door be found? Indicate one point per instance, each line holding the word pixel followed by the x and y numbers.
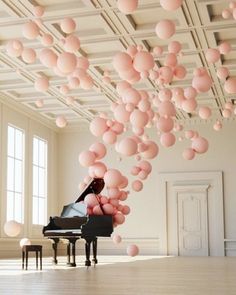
pixel 192 223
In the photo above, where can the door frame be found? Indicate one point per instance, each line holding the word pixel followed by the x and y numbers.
pixel 215 206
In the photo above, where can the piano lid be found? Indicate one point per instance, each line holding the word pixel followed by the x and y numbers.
pixel 95 186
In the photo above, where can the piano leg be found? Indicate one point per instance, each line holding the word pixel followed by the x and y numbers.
pixel 72 242
pixel 68 253
pixel 87 252
pixel 95 261
pixel 54 246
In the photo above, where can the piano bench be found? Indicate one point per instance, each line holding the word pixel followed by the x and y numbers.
pixel 31 248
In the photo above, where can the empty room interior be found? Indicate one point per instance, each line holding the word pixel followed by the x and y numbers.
pixel 117 147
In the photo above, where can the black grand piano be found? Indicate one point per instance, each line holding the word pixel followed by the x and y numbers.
pixel 74 223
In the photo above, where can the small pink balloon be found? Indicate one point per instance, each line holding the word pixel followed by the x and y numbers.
pixel 229 105
pixel 165 29
pixel 64 89
pixel 72 43
pixel 125 210
pixel 200 145
pixel 61 121
pixel 204 113
pixel 167 108
pixel 113 178
pixel 226 113
pixel 127 7
pixel 30 30
pixel 116 239
pixel 108 209
pixel 132 250
pixel 202 83
pixel 97 210
pixel 225 47
pixel 66 62
pixel 132 50
pixel 189 134
pixel 143 61
pixel 82 63
pixel 86 158
pixel 73 82
pixel 212 55
pixel 174 47
pixel 226 14
pixel 180 72
pixel 41 84
pixel 170 60
pixel 190 92
pixel 157 51
pixel 145 165
pixel 222 73
pixel 91 200
pixel 38 11
pixel 28 55
pixel 188 154
pixel 217 126
pixel 109 137
pixel 98 126
pixel 46 40
pixel 230 85
pixel 152 150
pixel 122 86
pixel 119 218
pixel 117 127
pixel 39 103
pixel 127 147
pixel 131 95
pixel 135 170
pixel 14 48
pixel 98 149
pixel 167 139
pixel 68 25
pixel 137 185
pixel 171 4
pixel 86 82
pixel 165 75
pixel 48 58
pixel 98 169
pixel 189 105
pixel 121 114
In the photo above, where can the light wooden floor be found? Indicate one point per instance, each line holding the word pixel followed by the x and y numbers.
pixel 119 275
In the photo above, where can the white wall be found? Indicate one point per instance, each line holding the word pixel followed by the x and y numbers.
pixel 143 221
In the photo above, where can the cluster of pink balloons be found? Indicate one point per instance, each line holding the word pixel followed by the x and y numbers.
pixel 230 11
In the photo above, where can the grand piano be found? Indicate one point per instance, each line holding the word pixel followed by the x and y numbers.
pixel 74 224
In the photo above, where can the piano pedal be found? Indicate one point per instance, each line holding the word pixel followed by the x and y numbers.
pixel 95 261
pixel 87 263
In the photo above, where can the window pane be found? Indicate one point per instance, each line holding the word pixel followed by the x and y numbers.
pixel 35 151
pixel 18 176
pixel 10 205
pixel 18 207
pixel 10 174
pixel 35 181
pixel 41 153
pixel 41 211
pixel 35 210
pixel 18 144
pixel 41 183
pixel 11 140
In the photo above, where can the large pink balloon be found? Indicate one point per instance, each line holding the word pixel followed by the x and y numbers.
pixel 113 178
pixel 87 158
pixel 91 200
pixel 188 154
pixel 138 118
pixel 127 146
pixel 109 137
pixel 12 228
pixel 41 84
pixel 131 95
pixel 68 25
pixel 230 85
pixel 202 83
pixel 204 112
pixel 14 48
pixel 165 124
pixel 28 55
pixel 212 55
pixel 167 139
pixel 30 30
pixel 48 58
pixel 200 145
pixel 143 61
pixel 108 209
pixel 165 29
pixel 167 108
pixel 98 169
pixel 171 4
pixel 151 151
pixel 66 62
pixel 98 149
pixel 137 185
pixel 127 7
pixel 121 114
pixel 122 61
pixel 72 43
pixel 98 126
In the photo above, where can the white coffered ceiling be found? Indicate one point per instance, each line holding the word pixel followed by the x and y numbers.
pixel 103 30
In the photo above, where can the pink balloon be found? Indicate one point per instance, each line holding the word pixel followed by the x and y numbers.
pixel 200 145
pixel 165 75
pixel 109 137
pixel 157 51
pixel 87 158
pixel 132 50
pixel 165 29
pixel 113 193
pixel 189 105
pixel 41 84
pixel 116 239
pixel 30 30
pixel 131 95
pixel 137 185
pixel 171 4
pixel 125 210
pixel 48 58
pixel 98 169
pixel 226 14
pixel 73 82
pixel 127 7
pixel 64 89
pixel 82 63
pixel 39 103
pixel 212 55
pixel 204 112
pixel 86 82
pixel 151 151
pixel 145 165
pixel 189 134
pixel 28 55
pixel 190 92
pixel 138 118
pixel 122 86
pixel 135 170
pixel 122 61
pixel 202 83
pixel 98 149
pixel 119 218
pixel 38 11
pixel 144 105
pixel 222 73
pixel 167 139
pixel 68 25
pixel 66 62
pixel 108 209
pixel 225 47
pixel 229 105
pixel 167 108
pixel 217 126
pixel 174 47
pixel 117 127
pixel 132 250
pixel 61 121
pixel 226 113
pixel 230 85
pixel 143 61
pixel 127 147
pixel 113 178
pixel 91 200
pixel 98 126
pixel 170 60
pixel 121 114
pixel 47 40
pixel 97 210
pixel 180 72
pixel 72 43
pixel 165 124
pixel 14 48
pixel 142 175
pixel 188 154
